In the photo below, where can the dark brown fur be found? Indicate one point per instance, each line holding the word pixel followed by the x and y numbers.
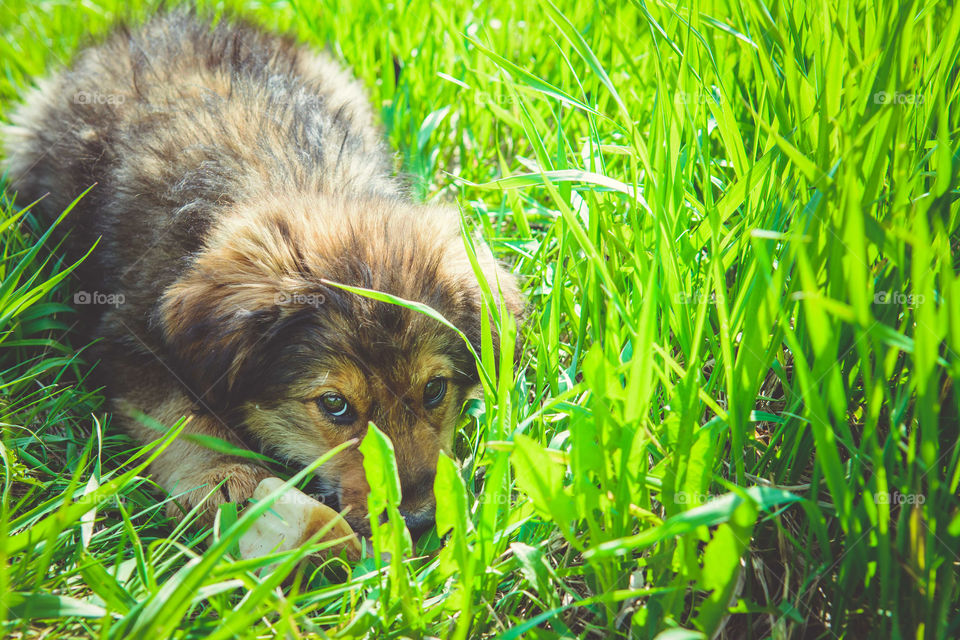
pixel 238 174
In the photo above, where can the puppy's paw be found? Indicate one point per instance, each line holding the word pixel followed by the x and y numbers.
pixel 236 482
pixel 291 522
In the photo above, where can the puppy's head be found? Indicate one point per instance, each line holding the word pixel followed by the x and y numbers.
pixel 259 334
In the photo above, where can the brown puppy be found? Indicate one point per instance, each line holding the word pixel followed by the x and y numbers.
pixel 235 173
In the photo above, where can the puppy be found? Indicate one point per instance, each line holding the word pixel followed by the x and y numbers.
pixel 235 175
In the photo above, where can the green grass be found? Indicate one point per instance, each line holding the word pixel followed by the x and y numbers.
pixel 737 411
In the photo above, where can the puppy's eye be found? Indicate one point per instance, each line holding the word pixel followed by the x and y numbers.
pixel 336 406
pixel 434 391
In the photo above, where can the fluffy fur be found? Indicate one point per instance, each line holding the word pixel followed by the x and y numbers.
pixel 238 173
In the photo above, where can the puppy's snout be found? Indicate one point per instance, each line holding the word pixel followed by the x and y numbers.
pixel 418 507
pixel 419 522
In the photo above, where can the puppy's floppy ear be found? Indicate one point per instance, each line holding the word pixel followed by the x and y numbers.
pixel 215 329
pixel 503 288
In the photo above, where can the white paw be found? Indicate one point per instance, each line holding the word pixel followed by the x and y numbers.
pixel 290 522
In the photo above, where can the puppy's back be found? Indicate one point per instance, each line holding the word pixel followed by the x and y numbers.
pixel 177 120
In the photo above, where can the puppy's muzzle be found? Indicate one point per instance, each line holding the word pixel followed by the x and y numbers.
pixel 419 522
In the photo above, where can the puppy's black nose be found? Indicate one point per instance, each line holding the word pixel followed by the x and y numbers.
pixel 419 522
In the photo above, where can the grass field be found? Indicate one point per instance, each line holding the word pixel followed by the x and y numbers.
pixel 737 410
